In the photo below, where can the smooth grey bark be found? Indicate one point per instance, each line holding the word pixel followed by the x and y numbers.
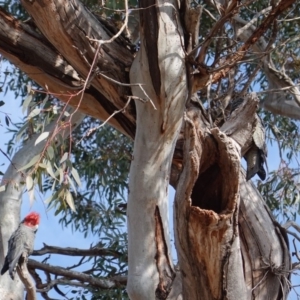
pixel 163 77
pixel 264 245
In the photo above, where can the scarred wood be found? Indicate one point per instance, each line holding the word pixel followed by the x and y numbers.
pixel 207 215
pixel 208 220
pixel 163 263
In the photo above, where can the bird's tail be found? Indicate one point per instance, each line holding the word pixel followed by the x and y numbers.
pixel 13 267
pixel 5 267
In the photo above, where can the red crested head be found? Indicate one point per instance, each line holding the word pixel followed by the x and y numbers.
pixel 32 220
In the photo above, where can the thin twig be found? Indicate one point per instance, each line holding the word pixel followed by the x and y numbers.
pixel 209 99
pixel 101 42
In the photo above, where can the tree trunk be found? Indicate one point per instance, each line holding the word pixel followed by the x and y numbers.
pixel 264 246
pixel 159 118
pixel 228 244
pixel 207 238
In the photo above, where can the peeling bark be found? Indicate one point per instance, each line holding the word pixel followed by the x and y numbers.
pixel 206 219
pixel 51 71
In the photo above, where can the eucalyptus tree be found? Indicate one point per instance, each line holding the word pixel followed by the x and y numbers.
pixel 171 89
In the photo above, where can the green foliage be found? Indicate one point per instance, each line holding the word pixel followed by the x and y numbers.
pixel 102 160
pixel 281 189
pixel 53 162
pixel 87 178
pixel 13 79
pixel 119 294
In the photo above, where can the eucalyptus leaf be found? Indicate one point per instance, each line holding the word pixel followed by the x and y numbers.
pixel 42 137
pixel 33 161
pixel 76 176
pixel 49 169
pixel 64 157
pixel 34 113
pixel 26 102
pixel 29 182
pixel 70 201
pixel 50 152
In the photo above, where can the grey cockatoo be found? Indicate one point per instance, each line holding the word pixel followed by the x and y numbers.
pixel 21 242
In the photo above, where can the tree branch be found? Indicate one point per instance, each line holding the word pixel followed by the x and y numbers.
pixel 201 79
pixel 95 251
pixel 51 71
pixel 274 102
pixel 75 45
pixel 112 282
pixel 26 278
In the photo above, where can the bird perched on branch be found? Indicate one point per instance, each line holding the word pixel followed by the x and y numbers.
pixel 257 154
pixel 21 243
